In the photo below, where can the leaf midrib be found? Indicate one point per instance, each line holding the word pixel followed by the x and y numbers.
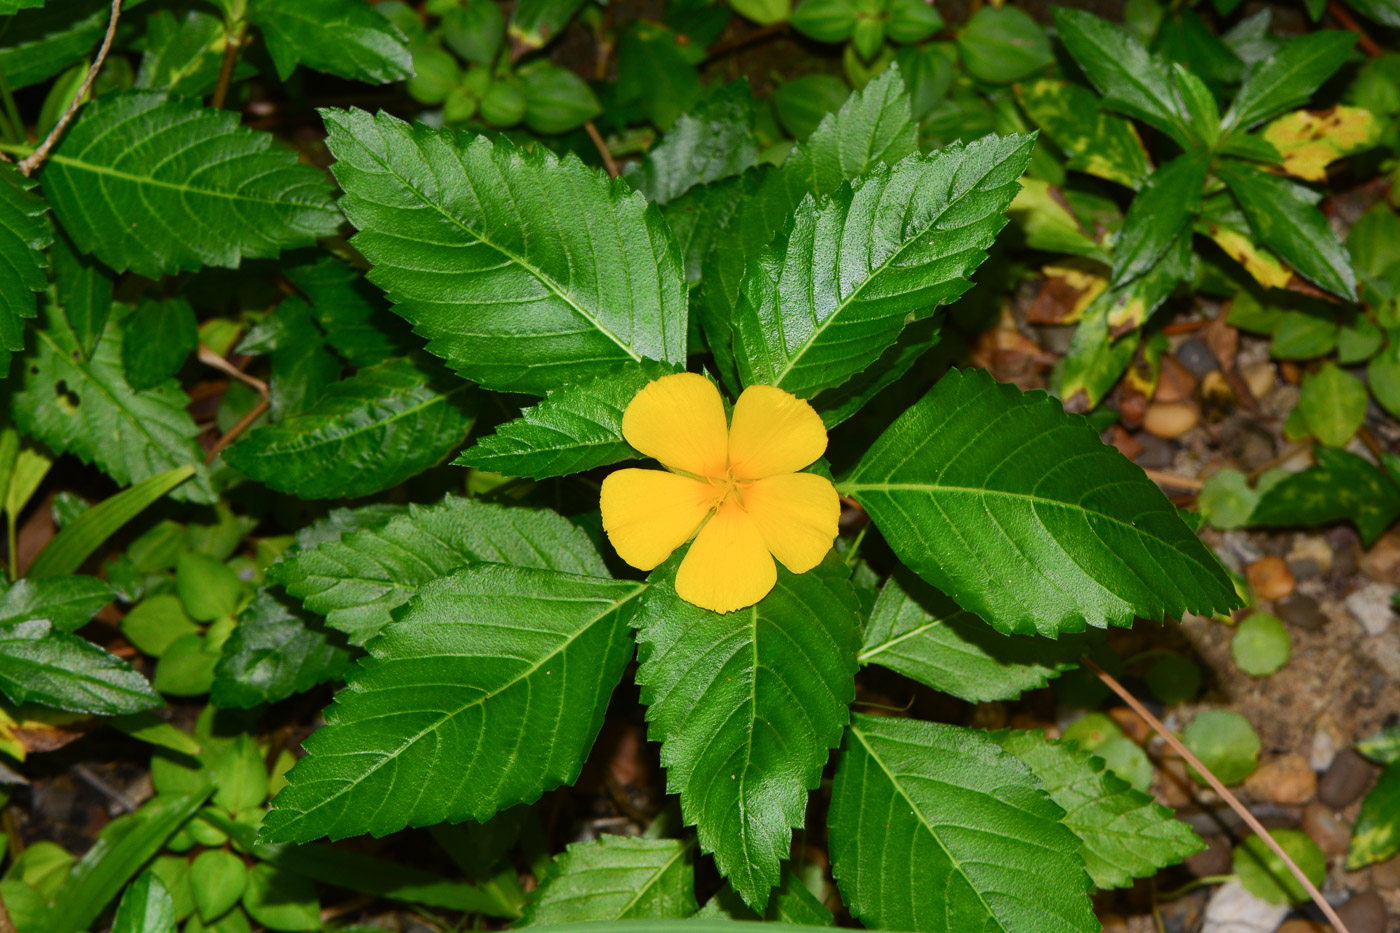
pixel 80 165
pixel 656 878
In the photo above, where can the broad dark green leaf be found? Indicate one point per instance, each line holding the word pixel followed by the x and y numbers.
pixel 1022 515
pixel 1126 834
pixel 157 338
pixel 922 634
pixel 183 56
pixel 698 217
pixel 615 878
pixel 69 602
pixel 574 429
pixel 522 269
pixel 838 404
pixel 276 651
pixel 347 38
pixel 10 7
pixel 25 232
pixel 83 288
pixel 714 141
pixel 1161 210
pixel 747 706
pixel 979 845
pixel 303 366
pixel 146 907
pixel 130 182
pixel 1386 12
pixel 1001 44
pixel 1097 142
pixel 1284 218
pixel 488 691
pixel 1376 834
pixel 1131 79
pixel 368 433
pixel 535 22
pixel 790 902
pixel 352 312
pixel 656 73
pixel 39 664
pixel 1288 78
pixel 838 285
pixel 86 407
pixel 1341 486
pixel 40 43
pixel 357 579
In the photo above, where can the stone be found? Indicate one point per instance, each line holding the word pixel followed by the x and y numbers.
pixel 1346 780
pixel 1270 577
pixel 1301 611
pixel 1286 780
pixel 1250 445
pixel 1170 419
pixel 1214 859
pixel 1260 377
pixel 1381 562
pixel 1303 925
pixel 1157 453
pixel 1386 875
pixel 1196 357
pixel 1232 909
pixel 1327 738
pixel 1330 832
pixel 1372 607
pixel 1311 547
pixel 1364 913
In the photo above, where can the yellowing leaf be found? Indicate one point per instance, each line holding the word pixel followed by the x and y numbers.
pixel 1310 140
pixel 1260 263
pixel 28 728
pixel 1044 217
pixel 1069 288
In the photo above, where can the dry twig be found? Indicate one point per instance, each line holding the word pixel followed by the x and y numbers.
pixel 608 162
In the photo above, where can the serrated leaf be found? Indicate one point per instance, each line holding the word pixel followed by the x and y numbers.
pixel 39 664
pixel 25 232
pixel 352 312
pixel 697 217
pixel 713 141
pixel 980 845
pixel 1340 487
pixel 1131 79
pixel 368 433
pixel 1022 515
pixel 790 902
pixel 523 270
pixel 747 706
pixel 914 342
pixel 131 183
pixel 274 652
pixel 838 285
pixel 922 634
pixel 574 429
pixel 347 38
pixel 359 578
pixel 1284 218
pixel 40 43
pixel 1126 834
pixel 487 692
pixel 69 602
pixel 1288 78
pixel 615 878
pixel 86 407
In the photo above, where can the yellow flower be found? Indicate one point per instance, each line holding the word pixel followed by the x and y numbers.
pixel 734 488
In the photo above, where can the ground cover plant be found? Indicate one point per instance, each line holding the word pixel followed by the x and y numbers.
pixel 483 465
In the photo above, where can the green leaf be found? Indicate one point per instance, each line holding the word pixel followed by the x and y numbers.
pixel 656 73
pixel 1131 79
pixel 1284 218
pixel 157 338
pixel 487 692
pixel 615 878
pixel 303 367
pixel 556 99
pixel 1260 645
pixel 41 43
pixel 1264 874
pixel 914 342
pixel 10 7
pixel 156 622
pixel 281 900
pixel 183 56
pixel 1333 403
pixel 1098 143
pixel 69 602
pixel 747 706
pixel 276 651
pixel 130 182
pixel 83 288
pixel 469 238
pixel 358 579
pixel 790 903
pixel 1288 78
pixel 576 428
pixel 65 553
pixel 838 285
pixel 714 141
pixel 1225 742
pixel 25 231
pixel 1340 487
pixel 535 22
pixel 1383 747
pixel 922 634
pixel 1376 834
pixel 347 38
pixel 52 668
pixel 1003 44
pixel 368 433
pixel 1382 11
pixel 1226 500
pixel 980 846
pixel 1126 834
pixel 1022 515
pixel 145 907
pixel 802 102
pixel 217 879
pixel 352 312
pixel 1303 336
pixel 1158 215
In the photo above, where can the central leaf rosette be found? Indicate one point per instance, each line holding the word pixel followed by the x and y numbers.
pixel 734 487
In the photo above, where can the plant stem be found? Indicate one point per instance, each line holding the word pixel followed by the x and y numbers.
pixel 1190 886
pixel 1368 45
pixel 254 414
pixel 14 546
pixel 1249 819
pixel 11 109
pixel 235 43
pixel 602 145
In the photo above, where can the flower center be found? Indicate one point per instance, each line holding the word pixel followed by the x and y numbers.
pixel 726 486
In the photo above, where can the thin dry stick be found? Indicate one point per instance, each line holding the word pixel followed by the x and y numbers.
pixel 37 157
pixel 237 429
pixel 1171 479
pixel 602 145
pixel 1220 789
pixel 1368 45
pixel 209 358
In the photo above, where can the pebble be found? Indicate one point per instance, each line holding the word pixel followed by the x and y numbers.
pixel 1386 875
pixel 1311 547
pixel 1286 780
pixel 1170 419
pixel 1331 834
pixel 1372 607
pixel 1327 738
pixel 1260 377
pixel 1301 925
pixel 1232 909
pixel 1196 357
pixel 1157 453
pixel 1364 913
pixel 1381 561
pixel 1214 859
pixel 1250 445
pixel 1270 577
pixel 1346 780
pixel 1302 611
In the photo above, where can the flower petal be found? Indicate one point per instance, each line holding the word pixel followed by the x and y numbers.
pixel 679 420
pixel 727 567
pixel 773 432
pixel 649 513
pixel 797 515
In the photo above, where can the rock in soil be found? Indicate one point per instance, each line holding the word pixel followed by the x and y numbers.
pixel 1270 577
pixel 1349 777
pixel 1286 780
pixel 1381 562
pixel 1214 859
pixel 1372 607
pixel 1364 913
pixel 1302 612
pixel 1386 875
pixel 1170 419
pixel 1157 454
pixel 1196 357
pixel 1332 834
pixel 1232 909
